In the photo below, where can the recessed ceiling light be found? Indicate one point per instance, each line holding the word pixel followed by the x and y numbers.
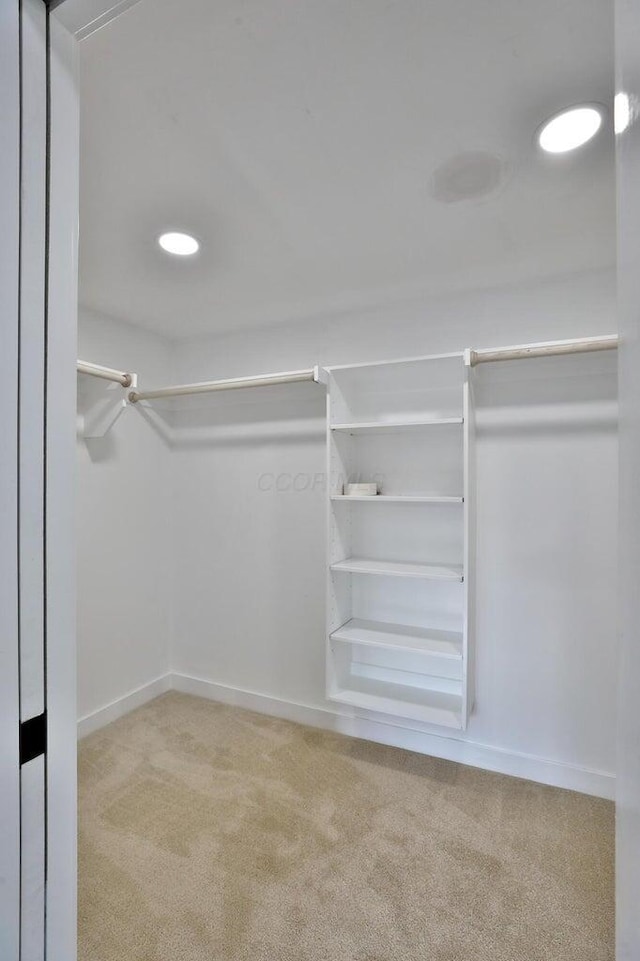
pixel 570 129
pixel 183 245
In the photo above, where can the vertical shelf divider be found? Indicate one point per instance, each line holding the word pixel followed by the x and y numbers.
pixel 469 562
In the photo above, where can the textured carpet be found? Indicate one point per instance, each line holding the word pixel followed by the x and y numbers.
pixel 208 833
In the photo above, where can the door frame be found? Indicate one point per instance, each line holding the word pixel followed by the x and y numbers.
pixel 38 344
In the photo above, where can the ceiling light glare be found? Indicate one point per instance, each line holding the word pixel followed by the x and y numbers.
pixel 182 245
pixel 621 112
pixel 570 129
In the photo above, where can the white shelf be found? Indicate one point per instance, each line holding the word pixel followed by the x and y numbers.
pixel 431 707
pixel 385 426
pixel 399 637
pixel 363 565
pixel 400 498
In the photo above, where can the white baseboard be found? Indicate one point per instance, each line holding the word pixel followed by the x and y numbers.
pixel 527 766
pixel 122 705
pixel 355 724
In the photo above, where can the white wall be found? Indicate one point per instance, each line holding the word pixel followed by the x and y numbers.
pixel 628 786
pixel 124 526
pixel 188 564
pixel 251 562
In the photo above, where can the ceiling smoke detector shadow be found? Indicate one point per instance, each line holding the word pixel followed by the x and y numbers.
pixel 473 175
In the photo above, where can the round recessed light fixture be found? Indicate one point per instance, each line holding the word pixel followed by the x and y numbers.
pixel 182 245
pixel 570 128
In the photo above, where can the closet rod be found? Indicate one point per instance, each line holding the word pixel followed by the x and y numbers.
pixel 552 348
pixel 105 373
pixel 234 383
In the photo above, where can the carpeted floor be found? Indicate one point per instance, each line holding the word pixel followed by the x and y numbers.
pixel 208 833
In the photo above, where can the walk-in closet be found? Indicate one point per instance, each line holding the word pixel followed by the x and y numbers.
pixel 347 482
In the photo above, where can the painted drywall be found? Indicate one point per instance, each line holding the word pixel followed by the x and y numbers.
pixel 123 523
pixel 628 786
pixel 249 517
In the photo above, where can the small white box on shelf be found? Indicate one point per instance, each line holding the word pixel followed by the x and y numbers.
pixel 360 490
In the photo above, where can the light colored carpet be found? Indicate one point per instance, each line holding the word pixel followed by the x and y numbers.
pixel 208 833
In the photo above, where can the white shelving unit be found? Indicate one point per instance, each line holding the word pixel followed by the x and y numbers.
pixel 400 579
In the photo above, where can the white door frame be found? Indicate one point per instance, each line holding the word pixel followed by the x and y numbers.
pixel 38 294
pixel 9 328
pixel 39 193
pixel 628 759
pixel 64 150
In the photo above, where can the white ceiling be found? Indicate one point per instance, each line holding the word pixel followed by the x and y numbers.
pixel 298 139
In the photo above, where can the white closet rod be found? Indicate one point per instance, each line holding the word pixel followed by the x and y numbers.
pixel 105 373
pixel 552 348
pixel 234 383
pixel 483 356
